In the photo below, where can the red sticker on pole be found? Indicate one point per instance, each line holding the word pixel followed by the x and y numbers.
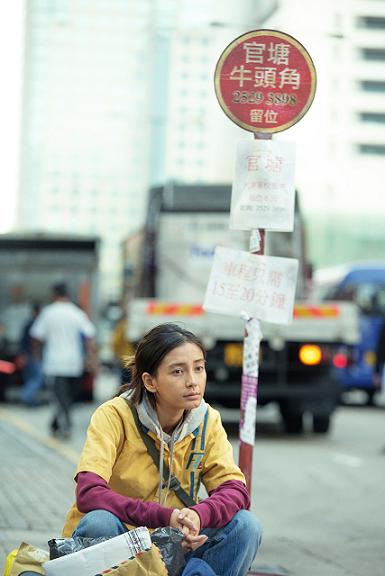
pixel 265 81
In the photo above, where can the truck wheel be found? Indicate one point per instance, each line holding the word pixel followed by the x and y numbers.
pixel 321 424
pixel 293 423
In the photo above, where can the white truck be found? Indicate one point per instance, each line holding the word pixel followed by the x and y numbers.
pixel 167 266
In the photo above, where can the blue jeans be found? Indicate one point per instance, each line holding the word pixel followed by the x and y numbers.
pixel 229 551
pixel 33 381
pixel 197 567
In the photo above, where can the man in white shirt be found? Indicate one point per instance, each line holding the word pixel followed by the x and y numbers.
pixel 65 333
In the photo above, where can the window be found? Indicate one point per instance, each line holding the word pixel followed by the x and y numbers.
pixel 373 85
pixel 378 117
pixel 372 22
pixel 378 149
pixel 373 54
pixel 370 296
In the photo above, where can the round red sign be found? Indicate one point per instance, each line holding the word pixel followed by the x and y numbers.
pixel 265 81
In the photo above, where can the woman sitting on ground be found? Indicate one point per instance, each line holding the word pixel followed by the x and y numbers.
pixel 120 487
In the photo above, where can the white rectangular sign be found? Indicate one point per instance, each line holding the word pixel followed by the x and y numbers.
pixel 262 286
pixel 263 187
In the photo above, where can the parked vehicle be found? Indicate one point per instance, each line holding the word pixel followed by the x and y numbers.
pixel 364 284
pixel 29 265
pixel 167 265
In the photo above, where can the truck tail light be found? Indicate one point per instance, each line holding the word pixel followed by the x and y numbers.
pixel 310 354
pixel 340 360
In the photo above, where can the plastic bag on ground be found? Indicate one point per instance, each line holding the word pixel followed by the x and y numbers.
pixel 169 540
pixel 62 546
pixel 102 556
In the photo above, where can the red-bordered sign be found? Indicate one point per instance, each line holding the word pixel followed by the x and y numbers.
pixel 265 81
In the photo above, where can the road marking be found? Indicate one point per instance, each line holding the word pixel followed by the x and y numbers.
pixel 52 443
pixel 347 459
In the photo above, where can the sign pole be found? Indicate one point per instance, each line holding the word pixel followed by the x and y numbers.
pixel 265 81
pixel 249 384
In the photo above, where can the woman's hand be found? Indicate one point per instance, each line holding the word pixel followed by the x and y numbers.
pixel 189 522
pixel 174 518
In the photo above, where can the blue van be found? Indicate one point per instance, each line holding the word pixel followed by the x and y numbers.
pixel 364 284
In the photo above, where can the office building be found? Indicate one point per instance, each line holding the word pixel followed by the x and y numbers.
pixel 118 96
pixel 341 140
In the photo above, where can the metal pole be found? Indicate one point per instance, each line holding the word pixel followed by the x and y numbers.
pixel 249 383
pixel 249 388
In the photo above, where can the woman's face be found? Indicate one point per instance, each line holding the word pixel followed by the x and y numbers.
pixel 180 380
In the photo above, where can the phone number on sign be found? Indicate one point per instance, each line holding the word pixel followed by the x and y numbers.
pixel 277 98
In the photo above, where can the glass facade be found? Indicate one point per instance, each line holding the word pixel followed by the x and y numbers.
pixel 85 150
pixel 340 239
pixel 118 95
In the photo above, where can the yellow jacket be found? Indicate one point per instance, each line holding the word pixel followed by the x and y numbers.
pixel 115 451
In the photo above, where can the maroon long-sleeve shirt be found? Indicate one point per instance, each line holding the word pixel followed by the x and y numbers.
pixel 93 493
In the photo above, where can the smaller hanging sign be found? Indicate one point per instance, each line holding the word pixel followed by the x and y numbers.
pixel 261 286
pixel 263 190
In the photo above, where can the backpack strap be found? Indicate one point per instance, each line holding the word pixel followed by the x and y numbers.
pixel 155 455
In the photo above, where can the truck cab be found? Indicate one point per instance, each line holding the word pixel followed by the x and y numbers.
pixel 362 283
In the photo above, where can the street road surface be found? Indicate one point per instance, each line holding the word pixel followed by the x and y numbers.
pixel 321 499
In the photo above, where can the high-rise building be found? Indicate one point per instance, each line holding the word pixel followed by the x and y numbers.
pixel 341 141
pixel 201 140
pixel 119 95
pixel 86 128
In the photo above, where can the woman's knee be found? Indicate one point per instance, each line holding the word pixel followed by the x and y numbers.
pixel 249 528
pixel 99 524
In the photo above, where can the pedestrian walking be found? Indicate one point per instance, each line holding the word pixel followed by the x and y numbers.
pixel 148 450
pixel 65 334
pixel 30 364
